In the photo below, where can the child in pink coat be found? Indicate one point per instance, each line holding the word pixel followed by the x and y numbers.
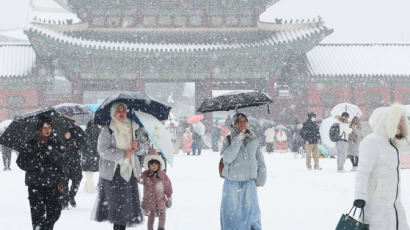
pixel 157 191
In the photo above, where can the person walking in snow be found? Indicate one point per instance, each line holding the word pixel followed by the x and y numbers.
pixel 157 191
pixel 118 196
pixel 187 137
pixel 244 170
pixel 342 144
pixel 43 162
pixel 6 152
pixel 270 139
pixel 354 141
pixel 378 178
pixel 198 131
pixel 311 136
pixel 90 157
pixel 75 144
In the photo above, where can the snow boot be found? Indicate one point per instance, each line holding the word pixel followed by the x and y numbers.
pixel 72 202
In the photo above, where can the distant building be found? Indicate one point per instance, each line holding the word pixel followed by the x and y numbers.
pixel 218 45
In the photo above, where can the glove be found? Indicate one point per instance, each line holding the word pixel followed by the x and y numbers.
pixel 241 136
pixel 169 203
pixel 359 203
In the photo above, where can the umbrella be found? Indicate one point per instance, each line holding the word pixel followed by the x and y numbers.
pixel 25 127
pixel 135 102
pixel 352 110
pixel 158 134
pixel 93 107
pixel 234 101
pixel 253 121
pixel 268 123
pixel 195 118
pixel 323 150
pixel 218 117
pixel 4 124
pixel 72 108
pixel 198 128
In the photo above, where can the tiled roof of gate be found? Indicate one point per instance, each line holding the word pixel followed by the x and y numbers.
pixel 332 60
pixel 181 41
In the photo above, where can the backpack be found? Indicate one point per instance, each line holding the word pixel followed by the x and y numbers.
pixel 221 162
pixel 334 132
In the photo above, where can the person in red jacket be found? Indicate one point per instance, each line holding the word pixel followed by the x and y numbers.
pixel 157 190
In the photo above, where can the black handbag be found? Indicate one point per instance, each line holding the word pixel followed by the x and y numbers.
pixel 348 222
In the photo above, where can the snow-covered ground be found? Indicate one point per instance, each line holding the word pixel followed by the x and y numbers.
pixel 293 198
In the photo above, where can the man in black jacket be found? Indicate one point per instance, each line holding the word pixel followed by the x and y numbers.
pixel 43 162
pixel 311 136
pixel 75 143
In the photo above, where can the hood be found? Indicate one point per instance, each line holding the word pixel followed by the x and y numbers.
pixel 155 157
pixel 384 122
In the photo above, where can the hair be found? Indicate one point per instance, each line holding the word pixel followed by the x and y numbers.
pixel 345 114
pixel 239 115
pixel 152 161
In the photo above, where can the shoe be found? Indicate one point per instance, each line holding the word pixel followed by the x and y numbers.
pixel 65 205
pixel 72 202
pixel 188 153
pixel 309 168
pixel 341 171
pixel 318 168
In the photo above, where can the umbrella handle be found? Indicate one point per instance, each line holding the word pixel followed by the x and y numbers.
pixel 132 130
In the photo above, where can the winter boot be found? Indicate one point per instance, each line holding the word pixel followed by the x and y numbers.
pixel 65 204
pixel 72 202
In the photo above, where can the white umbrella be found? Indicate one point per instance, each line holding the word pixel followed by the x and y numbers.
pixel 324 131
pixel 198 128
pixel 352 110
pixel 158 134
pixel 4 124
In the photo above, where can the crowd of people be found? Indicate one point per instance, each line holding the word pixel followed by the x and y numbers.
pixel 122 154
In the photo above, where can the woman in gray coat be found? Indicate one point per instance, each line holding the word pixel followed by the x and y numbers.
pixel 118 199
pixel 354 141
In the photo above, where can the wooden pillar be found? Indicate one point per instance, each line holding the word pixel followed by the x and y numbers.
pixel 203 90
pixel 392 92
pixel 77 88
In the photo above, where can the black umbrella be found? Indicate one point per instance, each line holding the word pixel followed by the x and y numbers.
pixel 24 128
pixel 234 101
pixel 72 108
pixel 135 102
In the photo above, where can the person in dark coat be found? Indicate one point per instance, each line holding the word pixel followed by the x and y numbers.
pixel 75 143
pixel 216 133
pixel 43 162
pixel 6 151
pixel 311 136
pixel 90 156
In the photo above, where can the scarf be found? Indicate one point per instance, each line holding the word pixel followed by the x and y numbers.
pixel 123 137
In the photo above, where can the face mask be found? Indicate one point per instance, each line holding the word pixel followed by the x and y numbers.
pixel 313 118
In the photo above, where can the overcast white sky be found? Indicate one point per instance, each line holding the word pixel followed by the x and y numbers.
pixel 352 20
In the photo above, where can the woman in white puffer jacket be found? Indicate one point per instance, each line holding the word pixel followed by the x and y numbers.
pixel 378 175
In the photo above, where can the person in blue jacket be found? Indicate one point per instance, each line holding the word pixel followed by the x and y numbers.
pixel 244 170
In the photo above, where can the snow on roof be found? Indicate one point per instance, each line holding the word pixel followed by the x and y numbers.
pixel 279 37
pixel 50 12
pixel 359 60
pixel 16 60
pixel 353 21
